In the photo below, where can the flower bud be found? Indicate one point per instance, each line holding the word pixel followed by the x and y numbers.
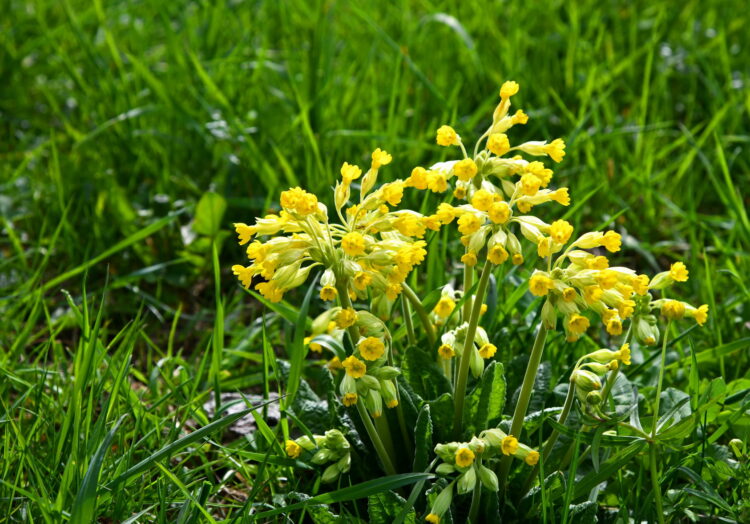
pixel 488 478
pixel 494 438
pixel 371 325
pixel 594 398
pixel 549 317
pixel 445 469
pixel 341 194
pixel 321 456
pixel 305 443
pixel 447 452
pixel 336 440
pixel 344 463
pixel 389 392
pixel 602 356
pixel 737 446
pixel 467 481
pixel 371 382
pixel 585 380
pixel 374 403
pixel 330 474
pixel 476 363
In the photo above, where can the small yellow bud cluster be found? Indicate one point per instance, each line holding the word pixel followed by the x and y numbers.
pixel 332 449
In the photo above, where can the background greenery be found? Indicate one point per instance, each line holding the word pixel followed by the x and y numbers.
pixel 118 117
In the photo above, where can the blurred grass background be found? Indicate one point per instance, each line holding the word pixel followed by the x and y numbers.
pixel 117 117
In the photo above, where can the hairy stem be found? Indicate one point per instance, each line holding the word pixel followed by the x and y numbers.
pixel 523 398
pixel 661 379
pixel 655 483
pixel 421 312
pixel 463 371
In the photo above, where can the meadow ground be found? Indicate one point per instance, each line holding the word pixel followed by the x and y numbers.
pixel 132 135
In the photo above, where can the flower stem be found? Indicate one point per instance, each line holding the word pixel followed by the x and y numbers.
pixel 475 499
pixel 463 371
pixel 421 313
pixel 661 379
pixel 553 436
pixel 408 322
pixel 612 376
pixel 468 282
pixel 523 398
pixel 655 483
pixel 376 442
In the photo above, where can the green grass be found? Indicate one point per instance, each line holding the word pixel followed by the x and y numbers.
pixel 117 118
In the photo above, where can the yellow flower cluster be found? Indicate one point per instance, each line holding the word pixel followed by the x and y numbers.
pixel 330 448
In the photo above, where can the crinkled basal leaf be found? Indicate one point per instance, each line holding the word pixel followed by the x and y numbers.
pixel 485 403
pixel 208 214
pixel 423 374
pixel 385 506
pixel 441 411
pixel 423 439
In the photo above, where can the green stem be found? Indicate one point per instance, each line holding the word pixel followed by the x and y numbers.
pixel 408 322
pixel 655 483
pixel 376 442
pixel 523 398
pixel 612 376
pixel 553 436
pixel 661 379
pixel 421 312
pixel 346 303
pixel 475 499
pixel 463 371
pixel 468 282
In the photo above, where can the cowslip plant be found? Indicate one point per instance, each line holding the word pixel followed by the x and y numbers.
pixel 365 252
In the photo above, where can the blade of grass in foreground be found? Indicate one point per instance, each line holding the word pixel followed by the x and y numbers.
pixel 358 491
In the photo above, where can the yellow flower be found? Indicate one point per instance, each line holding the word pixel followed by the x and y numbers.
pixel 517 259
pixel 293 449
pixel 350 172
pixel 607 279
pixel 614 326
pixel 679 272
pixel 444 307
pixel 560 231
pixel 509 445
pixel 530 184
pixel 532 458
pixel 418 178
pixel 244 231
pixel 371 348
pixel 432 519
pixel 469 223
pixel 436 182
pixel 497 254
pixel 393 291
pixel 561 196
pixel 392 193
pixel 519 118
pixel 611 241
pixel 487 351
pixel 673 309
pixel 409 225
pixel 578 324
pixel 446 351
pixel 349 399
pixel 245 274
pixel 599 262
pixel 540 284
pixel 498 143
pixel 353 244
pixel 640 284
pixel 469 259
pixel 464 457
pixel 592 294
pixel 361 280
pixel 445 213
pixel 482 200
pixel 447 136
pixel 328 293
pixel 701 314
pixel 569 294
pixel 483 309
pixel 380 158
pixel 334 364
pixel 508 89
pixel 499 212
pixel 465 169
pixel 299 201
pixel 624 354
pixel 354 367
pixel 346 318
pixel 555 149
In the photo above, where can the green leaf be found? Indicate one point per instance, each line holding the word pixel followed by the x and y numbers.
pixel 209 213
pixel 84 507
pixel 485 403
pixel 385 506
pixel 423 373
pixel 358 491
pixel 441 412
pixel 423 439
